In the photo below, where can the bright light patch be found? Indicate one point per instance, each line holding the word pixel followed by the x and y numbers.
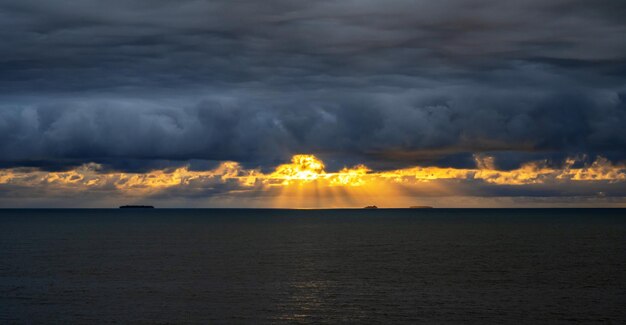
pixel 302 168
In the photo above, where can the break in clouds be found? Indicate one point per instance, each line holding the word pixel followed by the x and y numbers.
pixel 136 85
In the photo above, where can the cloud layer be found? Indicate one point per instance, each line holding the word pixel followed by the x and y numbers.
pixel 137 85
pixel 304 182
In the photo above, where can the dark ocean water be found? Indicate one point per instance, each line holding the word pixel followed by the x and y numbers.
pixel 312 266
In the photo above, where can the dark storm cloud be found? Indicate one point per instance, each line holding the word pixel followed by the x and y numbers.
pixel 135 84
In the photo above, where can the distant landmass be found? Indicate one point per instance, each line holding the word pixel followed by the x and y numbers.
pixel 136 207
pixel 411 207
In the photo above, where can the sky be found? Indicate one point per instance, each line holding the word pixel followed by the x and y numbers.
pixel 313 104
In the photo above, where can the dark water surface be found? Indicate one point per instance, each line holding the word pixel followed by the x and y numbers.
pixel 313 266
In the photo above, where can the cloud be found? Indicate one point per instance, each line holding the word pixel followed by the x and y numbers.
pixel 404 128
pixel 305 182
pixel 140 85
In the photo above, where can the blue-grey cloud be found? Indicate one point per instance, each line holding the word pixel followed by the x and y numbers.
pixel 146 84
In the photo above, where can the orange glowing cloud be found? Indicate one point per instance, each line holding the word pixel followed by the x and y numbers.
pixel 304 181
pixel 307 168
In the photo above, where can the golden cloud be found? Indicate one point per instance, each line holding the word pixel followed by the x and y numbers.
pixel 305 169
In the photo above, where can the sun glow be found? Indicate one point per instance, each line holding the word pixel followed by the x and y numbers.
pixel 302 168
pixel 308 168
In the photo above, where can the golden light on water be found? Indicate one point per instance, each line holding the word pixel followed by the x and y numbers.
pixel 305 182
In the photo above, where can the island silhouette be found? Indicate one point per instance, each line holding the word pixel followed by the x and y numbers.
pixel 136 207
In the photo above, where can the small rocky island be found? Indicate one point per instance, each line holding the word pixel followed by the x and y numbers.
pixel 136 207
pixel 371 207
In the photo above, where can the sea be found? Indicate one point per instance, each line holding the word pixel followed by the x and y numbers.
pixel 272 266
